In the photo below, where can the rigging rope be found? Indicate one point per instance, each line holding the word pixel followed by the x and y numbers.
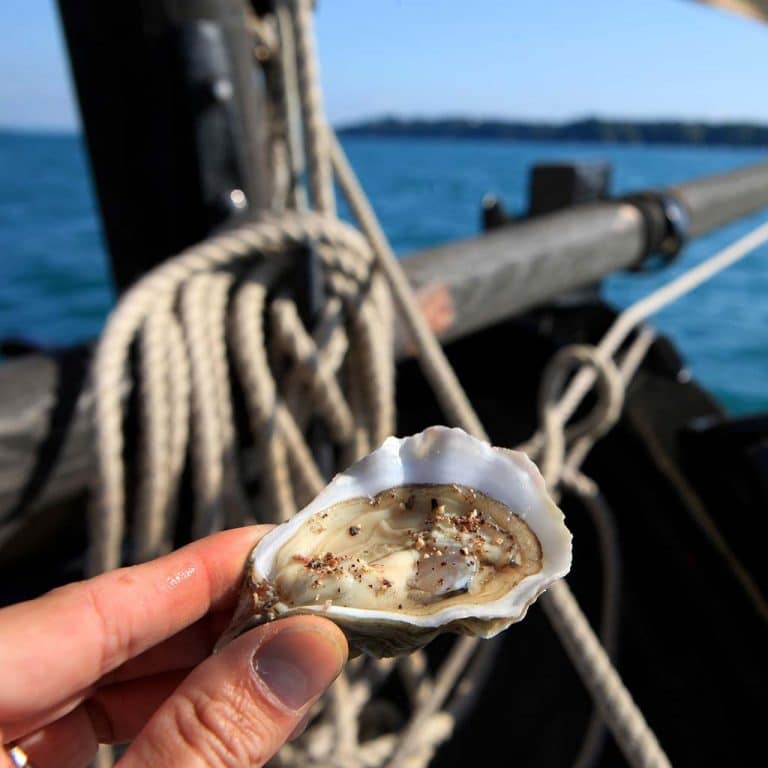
pixel 222 300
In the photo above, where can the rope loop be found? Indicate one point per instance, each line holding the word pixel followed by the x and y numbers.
pixel 609 388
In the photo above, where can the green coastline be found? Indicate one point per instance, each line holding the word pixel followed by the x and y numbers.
pixel 587 130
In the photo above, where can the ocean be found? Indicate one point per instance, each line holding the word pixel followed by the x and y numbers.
pixel 54 280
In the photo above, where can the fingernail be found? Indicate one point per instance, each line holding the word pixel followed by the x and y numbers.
pixel 297 665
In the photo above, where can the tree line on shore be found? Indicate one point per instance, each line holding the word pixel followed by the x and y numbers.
pixel 589 130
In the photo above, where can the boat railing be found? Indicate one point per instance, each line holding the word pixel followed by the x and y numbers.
pixel 45 401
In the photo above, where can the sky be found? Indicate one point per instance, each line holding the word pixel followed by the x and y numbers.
pixel 519 59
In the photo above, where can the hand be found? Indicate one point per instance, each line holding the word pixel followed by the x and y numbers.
pixel 126 656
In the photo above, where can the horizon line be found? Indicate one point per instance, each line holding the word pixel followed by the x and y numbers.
pixel 450 116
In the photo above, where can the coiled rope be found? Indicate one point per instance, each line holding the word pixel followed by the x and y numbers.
pixel 215 319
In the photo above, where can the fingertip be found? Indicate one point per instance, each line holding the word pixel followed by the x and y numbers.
pixel 294 660
pixel 242 704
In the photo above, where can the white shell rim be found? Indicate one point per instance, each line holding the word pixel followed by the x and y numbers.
pixel 441 456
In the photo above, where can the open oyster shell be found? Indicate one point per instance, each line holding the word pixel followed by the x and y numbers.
pixel 438 532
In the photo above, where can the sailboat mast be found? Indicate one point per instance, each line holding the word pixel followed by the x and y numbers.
pixel 172 102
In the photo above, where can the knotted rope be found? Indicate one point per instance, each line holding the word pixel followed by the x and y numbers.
pixel 216 321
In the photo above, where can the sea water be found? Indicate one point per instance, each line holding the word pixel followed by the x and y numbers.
pixel 54 279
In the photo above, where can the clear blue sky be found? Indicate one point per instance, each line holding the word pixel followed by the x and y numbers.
pixel 551 59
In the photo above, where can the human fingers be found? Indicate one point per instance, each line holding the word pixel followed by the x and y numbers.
pixel 184 650
pixel 241 705
pixel 84 630
pixel 52 745
pixel 112 715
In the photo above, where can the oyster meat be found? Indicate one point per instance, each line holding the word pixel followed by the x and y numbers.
pixel 430 533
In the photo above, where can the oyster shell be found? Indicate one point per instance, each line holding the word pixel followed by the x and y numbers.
pixel 431 533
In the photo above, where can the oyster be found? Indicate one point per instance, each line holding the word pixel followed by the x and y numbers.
pixel 431 533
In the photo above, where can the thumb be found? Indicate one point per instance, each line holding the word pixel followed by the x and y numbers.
pixel 239 707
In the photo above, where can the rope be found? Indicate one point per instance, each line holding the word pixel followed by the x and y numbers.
pixel 655 301
pixel 147 312
pixel 567 618
pixel 604 523
pixel 223 300
pixel 618 710
pixel 315 135
pixel 291 107
pixel 437 370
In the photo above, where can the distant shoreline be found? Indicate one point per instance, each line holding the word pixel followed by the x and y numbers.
pixel 590 130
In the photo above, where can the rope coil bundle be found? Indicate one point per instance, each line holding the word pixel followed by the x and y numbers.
pixel 217 313
pixel 185 315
